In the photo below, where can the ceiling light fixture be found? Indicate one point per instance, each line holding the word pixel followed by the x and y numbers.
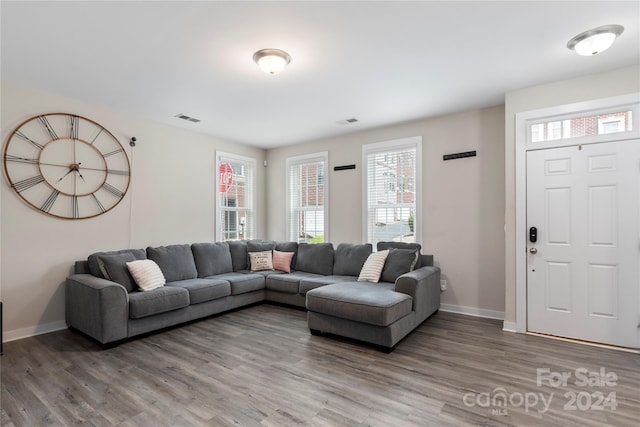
pixel 271 61
pixel 595 41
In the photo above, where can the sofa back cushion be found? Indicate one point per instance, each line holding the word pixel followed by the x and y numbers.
pixel 114 268
pixel 94 264
pixel 315 258
pixel 349 258
pixel 238 249
pixel 212 258
pixel 401 245
pixel 175 261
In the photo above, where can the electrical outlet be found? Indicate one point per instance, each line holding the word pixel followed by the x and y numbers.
pixel 443 284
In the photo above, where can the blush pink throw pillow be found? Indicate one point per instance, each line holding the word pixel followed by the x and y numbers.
pixel 282 261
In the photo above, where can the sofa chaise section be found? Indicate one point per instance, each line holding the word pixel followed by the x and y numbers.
pixel 377 313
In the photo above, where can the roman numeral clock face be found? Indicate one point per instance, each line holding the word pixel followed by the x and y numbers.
pixel 66 166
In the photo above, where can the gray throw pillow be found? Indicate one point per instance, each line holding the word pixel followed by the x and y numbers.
pixel 398 262
pixel 94 266
pixel 349 258
pixel 315 258
pixel 401 245
pixel 212 258
pixel 238 249
pixel 175 261
pixel 115 269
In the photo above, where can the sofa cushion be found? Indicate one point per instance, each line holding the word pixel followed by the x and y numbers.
pixel 212 258
pixel 114 268
pixel 372 268
pixel 161 300
pixel 360 302
pixel 175 261
pixel 202 290
pixel 401 245
pixel 288 283
pixel 282 260
pixel 238 249
pixel 94 265
pixel 315 258
pixel 399 262
pixel 349 258
pixel 242 283
pixel 309 283
pixel 146 274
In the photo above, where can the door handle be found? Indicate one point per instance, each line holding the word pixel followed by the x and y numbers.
pixel 533 251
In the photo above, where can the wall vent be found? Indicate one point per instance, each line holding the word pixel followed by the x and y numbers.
pixel 187 118
pixel 347 121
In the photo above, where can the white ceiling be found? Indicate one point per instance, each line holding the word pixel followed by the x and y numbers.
pixel 380 62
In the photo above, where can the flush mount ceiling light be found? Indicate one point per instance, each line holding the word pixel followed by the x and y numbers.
pixel 271 61
pixel 595 41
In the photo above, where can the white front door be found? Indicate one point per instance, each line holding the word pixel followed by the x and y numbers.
pixel 583 272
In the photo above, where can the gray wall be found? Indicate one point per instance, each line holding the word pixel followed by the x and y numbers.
pixel 463 200
pixel 171 200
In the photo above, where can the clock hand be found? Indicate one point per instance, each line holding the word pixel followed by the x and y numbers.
pixel 13 158
pixel 77 169
pixel 62 177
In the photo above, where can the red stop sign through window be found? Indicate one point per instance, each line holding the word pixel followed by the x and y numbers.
pixel 225 177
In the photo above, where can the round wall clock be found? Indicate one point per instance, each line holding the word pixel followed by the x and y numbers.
pixel 66 166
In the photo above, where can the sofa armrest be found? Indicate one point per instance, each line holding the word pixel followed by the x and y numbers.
pixel 97 307
pixel 423 284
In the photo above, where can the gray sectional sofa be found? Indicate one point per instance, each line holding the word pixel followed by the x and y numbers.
pixel 203 279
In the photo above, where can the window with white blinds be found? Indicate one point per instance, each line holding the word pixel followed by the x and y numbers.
pixel 391 190
pixel 235 190
pixel 307 198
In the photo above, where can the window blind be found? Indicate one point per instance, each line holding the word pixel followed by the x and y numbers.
pixel 235 189
pixel 307 198
pixel 391 193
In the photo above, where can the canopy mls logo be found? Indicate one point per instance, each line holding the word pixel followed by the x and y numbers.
pixel 595 398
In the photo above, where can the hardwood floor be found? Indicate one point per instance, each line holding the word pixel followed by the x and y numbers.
pixel 260 366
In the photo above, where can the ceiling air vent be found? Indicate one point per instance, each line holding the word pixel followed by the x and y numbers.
pixel 347 121
pixel 187 118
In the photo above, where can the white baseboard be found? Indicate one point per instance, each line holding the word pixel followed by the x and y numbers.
pixel 31 331
pixel 472 311
pixel 509 326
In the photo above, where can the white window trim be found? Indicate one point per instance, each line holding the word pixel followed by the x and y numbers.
pixel 252 162
pixel 297 160
pixel 523 122
pixel 396 144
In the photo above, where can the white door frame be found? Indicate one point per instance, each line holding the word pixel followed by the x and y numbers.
pixel 523 144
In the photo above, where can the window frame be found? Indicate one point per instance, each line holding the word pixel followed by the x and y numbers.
pixel 246 162
pixel 414 142
pixel 323 157
pixel 612 113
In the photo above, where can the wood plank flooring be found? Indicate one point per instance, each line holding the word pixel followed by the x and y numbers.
pixel 260 367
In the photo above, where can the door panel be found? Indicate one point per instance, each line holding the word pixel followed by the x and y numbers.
pixel 583 281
